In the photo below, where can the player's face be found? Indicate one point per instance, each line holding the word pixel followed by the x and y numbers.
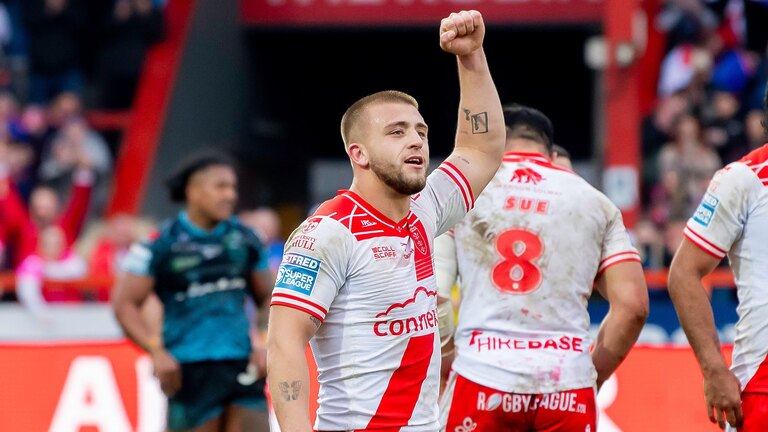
pixel 397 147
pixel 213 191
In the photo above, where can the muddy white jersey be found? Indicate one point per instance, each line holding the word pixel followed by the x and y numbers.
pixel 370 280
pixel 528 254
pixel 732 219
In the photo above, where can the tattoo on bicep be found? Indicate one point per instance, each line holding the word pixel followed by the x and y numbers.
pixel 480 123
pixel 290 391
pixel 315 321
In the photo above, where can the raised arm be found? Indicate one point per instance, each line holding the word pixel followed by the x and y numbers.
pixel 623 285
pixel 287 371
pixel 480 132
pixel 721 387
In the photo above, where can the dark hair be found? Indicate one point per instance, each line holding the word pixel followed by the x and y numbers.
pixel 193 163
pixel 561 151
pixel 528 123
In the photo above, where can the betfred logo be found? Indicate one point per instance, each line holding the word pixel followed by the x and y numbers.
pixel 401 319
pixel 526 175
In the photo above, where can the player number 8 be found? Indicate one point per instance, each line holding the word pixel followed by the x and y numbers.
pixel 516 273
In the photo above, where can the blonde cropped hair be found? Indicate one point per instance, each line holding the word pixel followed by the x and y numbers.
pixel 353 114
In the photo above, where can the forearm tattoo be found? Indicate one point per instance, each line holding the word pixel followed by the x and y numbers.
pixel 479 121
pixel 290 392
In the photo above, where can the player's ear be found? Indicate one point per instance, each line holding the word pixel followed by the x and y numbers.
pixel 358 154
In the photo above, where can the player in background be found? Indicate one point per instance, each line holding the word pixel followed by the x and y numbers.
pixel 201 265
pixel 732 220
pixel 357 277
pixel 561 157
pixel 528 256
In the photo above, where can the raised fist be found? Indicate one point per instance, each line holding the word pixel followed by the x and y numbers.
pixel 462 33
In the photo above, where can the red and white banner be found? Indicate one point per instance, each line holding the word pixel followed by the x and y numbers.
pixel 414 12
pixel 109 387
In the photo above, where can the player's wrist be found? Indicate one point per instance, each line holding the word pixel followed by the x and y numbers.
pixel 154 345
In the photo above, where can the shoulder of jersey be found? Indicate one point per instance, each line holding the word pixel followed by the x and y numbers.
pixel 756 161
pixel 249 233
pixel 165 229
pixel 351 214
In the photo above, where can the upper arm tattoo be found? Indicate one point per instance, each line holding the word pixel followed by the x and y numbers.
pixel 480 123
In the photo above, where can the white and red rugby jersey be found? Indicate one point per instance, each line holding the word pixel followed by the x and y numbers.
pixel 732 219
pixel 528 254
pixel 371 281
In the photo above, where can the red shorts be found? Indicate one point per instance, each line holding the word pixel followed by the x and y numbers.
pixel 754 406
pixel 472 407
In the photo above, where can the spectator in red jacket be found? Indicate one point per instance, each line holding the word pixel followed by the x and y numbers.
pixel 20 226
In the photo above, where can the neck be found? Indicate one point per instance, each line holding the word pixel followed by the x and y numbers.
pixel 200 220
pixel 390 203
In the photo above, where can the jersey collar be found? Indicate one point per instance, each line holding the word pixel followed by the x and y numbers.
pixel 531 156
pixel 371 210
pixel 195 230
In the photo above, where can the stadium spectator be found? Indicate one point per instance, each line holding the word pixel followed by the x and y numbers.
pixel 649 243
pixel 23 224
pixel 754 129
pixel 266 221
pixel 724 127
pixel 525 279
pixel 731 221
pixel 131 28
pixel 53 259
pixel 54 28
pixel 685 21
pixel 75 140
pixel 110 249
pixel 367 253
pixel 201 264
pixel 658 129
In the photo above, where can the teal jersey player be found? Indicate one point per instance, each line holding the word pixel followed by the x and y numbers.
pixel 202 265
pixel 202 278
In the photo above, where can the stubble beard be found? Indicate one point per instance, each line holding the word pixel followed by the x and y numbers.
pixel 392 177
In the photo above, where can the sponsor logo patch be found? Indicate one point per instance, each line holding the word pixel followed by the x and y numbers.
pixel 706 210
pixel 297 273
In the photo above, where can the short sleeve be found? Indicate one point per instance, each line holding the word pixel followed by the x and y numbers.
pixel 140 259
pixel 447 195
pixel 314 266
pixel 720 217
pixel 617 246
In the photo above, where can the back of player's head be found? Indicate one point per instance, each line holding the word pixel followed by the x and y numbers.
pixel 351 117
pixel 561 151
pixel 524 122
pixel 194 163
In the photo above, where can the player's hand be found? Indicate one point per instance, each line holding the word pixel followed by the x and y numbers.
pixel 462 33
pixel 167 370
pixel 722 391
pixel 259 358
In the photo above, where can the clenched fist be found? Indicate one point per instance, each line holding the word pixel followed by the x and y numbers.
pixel 462 33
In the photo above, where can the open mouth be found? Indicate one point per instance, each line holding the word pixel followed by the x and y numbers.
pixel 417 161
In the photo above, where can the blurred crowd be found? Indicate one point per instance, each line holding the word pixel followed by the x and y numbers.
pixel 60 58
pixel 708 111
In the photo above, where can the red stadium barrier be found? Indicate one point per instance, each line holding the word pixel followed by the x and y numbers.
pixel 108 387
